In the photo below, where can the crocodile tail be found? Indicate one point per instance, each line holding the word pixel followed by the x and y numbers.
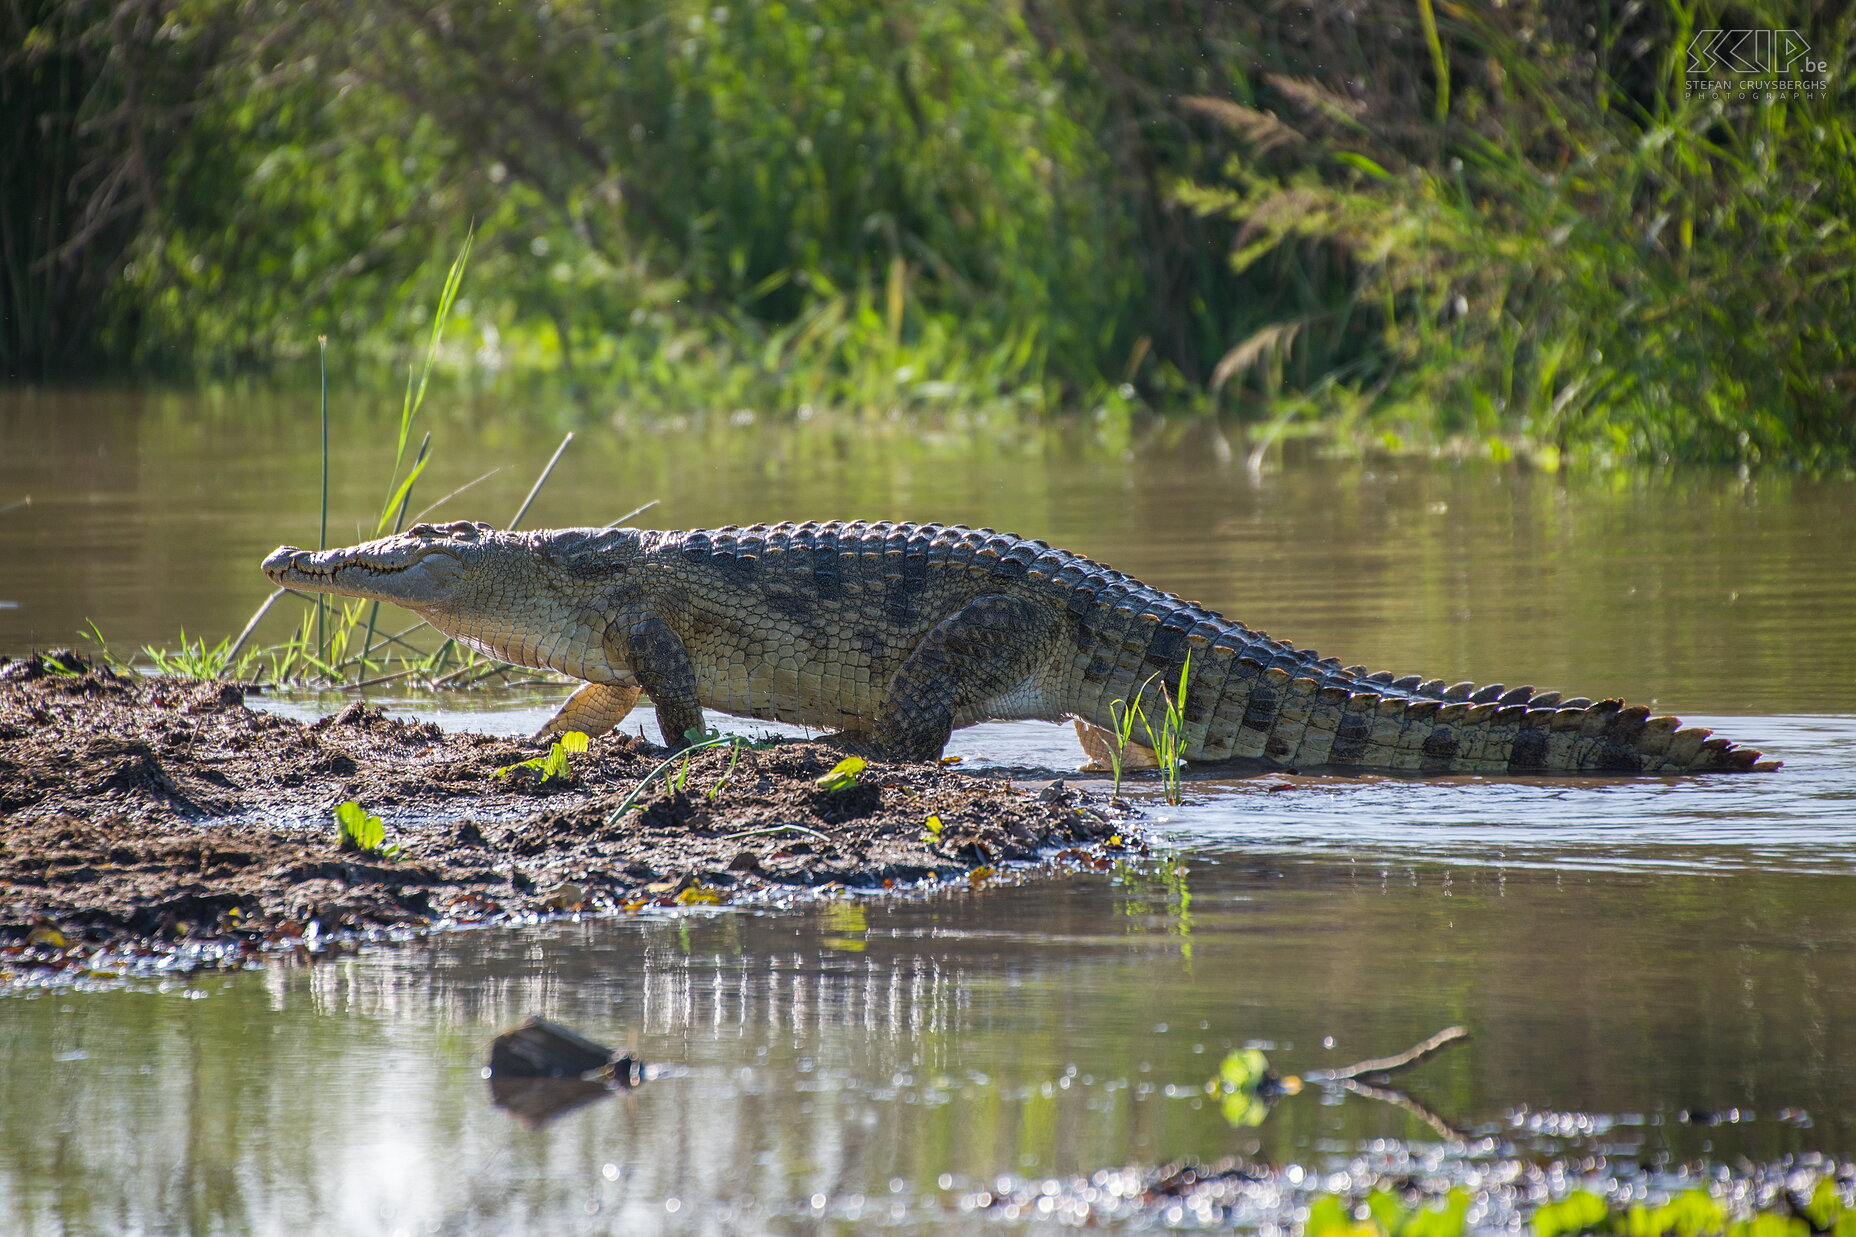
pixel 1300 720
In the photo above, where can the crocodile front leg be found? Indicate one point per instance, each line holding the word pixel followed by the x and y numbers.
pixel 657 659
pixel 985 649
pixel 593 710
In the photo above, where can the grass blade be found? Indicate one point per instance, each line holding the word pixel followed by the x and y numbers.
pixel 539 482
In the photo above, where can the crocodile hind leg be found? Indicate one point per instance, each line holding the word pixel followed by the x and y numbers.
pixel 984 650
pixel 593 710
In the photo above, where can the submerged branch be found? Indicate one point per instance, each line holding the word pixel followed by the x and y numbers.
pixel 1408 1102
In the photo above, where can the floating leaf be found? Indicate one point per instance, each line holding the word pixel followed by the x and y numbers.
pixel 1244 1080
pixel 1244 1109
pixel 1243 1070
pixel 843 775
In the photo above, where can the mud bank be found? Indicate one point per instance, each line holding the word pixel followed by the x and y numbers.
pixel 141 813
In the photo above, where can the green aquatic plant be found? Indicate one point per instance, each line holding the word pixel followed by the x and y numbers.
pixel 360 832
pixel 1247 1086
pixel 1332 1216
pixel 1119 739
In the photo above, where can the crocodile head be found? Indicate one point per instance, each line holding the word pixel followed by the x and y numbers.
pixel 523 597
pixel 433 566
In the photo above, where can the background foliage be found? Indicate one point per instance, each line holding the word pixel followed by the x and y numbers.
pixel 1401 221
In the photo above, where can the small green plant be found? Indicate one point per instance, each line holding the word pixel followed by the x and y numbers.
pixel 1330 1215
pixel 553 767
pixel 734 755
pixel 360 832
pixel 58 669
pixel 1167 743
pixel 1123 735
pixel 195 659
pixel 843 775
pixel 699 740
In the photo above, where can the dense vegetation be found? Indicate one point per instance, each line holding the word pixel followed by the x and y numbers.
pixel 1513 226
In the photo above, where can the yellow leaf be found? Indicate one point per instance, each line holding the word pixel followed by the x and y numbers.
pixel 978 875
pixel 843 775
pixel 949 760
pixel 48 934
pixel 699 895
pixel 573 741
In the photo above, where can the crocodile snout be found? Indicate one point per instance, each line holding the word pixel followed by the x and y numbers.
pixel 280 559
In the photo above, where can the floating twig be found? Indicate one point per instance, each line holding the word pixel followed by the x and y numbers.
pixel 385 678
pixel 1386 1065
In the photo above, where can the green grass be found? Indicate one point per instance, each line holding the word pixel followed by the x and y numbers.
pixel 1608 274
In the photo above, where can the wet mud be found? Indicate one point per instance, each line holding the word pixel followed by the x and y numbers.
pixel 138 813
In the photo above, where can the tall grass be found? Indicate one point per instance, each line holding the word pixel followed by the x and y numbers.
pixel 1613 274
pixel 1492 228
pixel 337 643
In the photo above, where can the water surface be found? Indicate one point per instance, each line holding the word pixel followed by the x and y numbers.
pixel 1626 953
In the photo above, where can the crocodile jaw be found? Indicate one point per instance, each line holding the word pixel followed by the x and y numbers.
pixel 417 578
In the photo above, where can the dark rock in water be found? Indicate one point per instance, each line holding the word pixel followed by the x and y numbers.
pixel 542 1049
pixel 541 1070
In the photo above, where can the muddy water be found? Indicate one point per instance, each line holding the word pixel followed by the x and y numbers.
pixel 1625 953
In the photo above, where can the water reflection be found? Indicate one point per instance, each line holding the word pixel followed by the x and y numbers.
pixel 868 1051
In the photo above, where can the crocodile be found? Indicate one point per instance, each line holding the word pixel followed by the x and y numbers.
pixel 895 634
